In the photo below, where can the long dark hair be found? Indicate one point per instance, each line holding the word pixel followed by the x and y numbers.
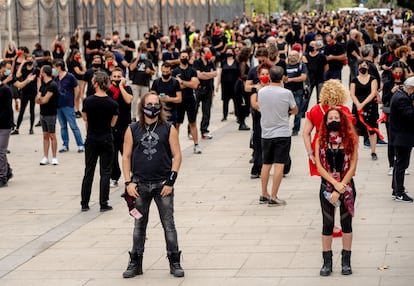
pixel 162 117
pixel 346 131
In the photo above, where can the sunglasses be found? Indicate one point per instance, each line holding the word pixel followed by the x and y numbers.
pixel 150 104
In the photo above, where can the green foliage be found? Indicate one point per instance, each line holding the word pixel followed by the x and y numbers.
pixel 333 5
pixel 409 4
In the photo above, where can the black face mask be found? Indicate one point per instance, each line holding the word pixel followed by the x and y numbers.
pixel 96 66
pixel 184 61
pixel 166 76
pixel 152 111
pixel 363 70
pixel 311 49
pixel 334 125
pixel 116 83
pixel 229 55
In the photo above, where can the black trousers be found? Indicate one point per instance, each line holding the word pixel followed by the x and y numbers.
pixel 24 102
pixel 118 148
pixel 402 160
pixel 205 100
pixel 103 150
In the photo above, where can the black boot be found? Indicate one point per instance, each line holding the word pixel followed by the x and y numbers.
pixel 243 126
pixel 326 269
pixel 134 267
pixel 175 266
pixel 346 262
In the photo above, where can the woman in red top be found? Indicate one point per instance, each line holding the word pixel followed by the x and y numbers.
pixel 332 94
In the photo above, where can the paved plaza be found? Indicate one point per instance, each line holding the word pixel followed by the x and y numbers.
pixel 226 237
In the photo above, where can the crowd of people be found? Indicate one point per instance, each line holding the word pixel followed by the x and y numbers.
pixel 134 98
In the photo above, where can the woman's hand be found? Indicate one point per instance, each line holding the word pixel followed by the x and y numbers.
pixel 334 197
pixel 340 187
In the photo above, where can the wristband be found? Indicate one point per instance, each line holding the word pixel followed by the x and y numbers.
pixel 310 153
pixel 171 179
pixel 127 183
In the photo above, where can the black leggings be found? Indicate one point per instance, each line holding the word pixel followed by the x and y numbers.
pixel 328 214
pixel 24 102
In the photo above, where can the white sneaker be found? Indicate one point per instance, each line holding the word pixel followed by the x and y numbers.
pixel 113 184
pixel 197 149
pixel 44 161
pixel 55 161
pixel 406 172
pixel 390 171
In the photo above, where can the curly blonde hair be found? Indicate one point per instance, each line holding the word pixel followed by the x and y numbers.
pixel 333 93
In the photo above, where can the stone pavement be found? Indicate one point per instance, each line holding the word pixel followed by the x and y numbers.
pixel 227 238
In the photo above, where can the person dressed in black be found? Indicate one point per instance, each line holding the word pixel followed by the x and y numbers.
pixel 129 45
pixel 402 136
pixel 390 88
pixel 122 94
pixel 6 123
pixel 27 72
pixel 228 76
pixel 206 72
pixel 317 66
pixel 187 77
pixel 100 113
pixel 150 164
pixel 363 93
pixel 89 74
pixel 168 88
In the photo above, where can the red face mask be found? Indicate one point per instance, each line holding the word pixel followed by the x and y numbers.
pixel 331 43
pixel 209 56
pixel 19 53
pixel 110 63
pixel 77 57
pixel 397 76
pixel 264 78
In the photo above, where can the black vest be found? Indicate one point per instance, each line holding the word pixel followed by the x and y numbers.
pixel 151 154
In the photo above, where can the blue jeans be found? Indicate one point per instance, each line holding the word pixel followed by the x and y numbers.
pixel 298 94
pixel 67 115
pixel 165 205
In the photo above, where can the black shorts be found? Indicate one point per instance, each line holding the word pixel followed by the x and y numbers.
pixel 276 150
pixel 188 105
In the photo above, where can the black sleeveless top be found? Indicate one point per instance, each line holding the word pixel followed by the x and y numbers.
pixel 335 159
pixel 151 154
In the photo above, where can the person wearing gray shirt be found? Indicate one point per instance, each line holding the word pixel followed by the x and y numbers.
pixel 276 104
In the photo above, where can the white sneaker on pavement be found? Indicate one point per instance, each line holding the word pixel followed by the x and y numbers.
pixel 55 161
pixel 44 161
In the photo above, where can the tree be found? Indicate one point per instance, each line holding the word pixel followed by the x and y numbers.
pixel 409 4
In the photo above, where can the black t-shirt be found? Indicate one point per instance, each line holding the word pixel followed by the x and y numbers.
pixel 295 71
pixel 88 78
pixel 185 75
pixel 200 66
pixel 30 90
pixel 316 68
pixel 169 88
pixel 351 46
pixel 138 75
pixel 6 111
pixel 95 44
pixel 128 54
pixel 124 118
pixel 335 50
pixel 99 112
pixel 229 73
pixel 49 108
pixel 71 68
